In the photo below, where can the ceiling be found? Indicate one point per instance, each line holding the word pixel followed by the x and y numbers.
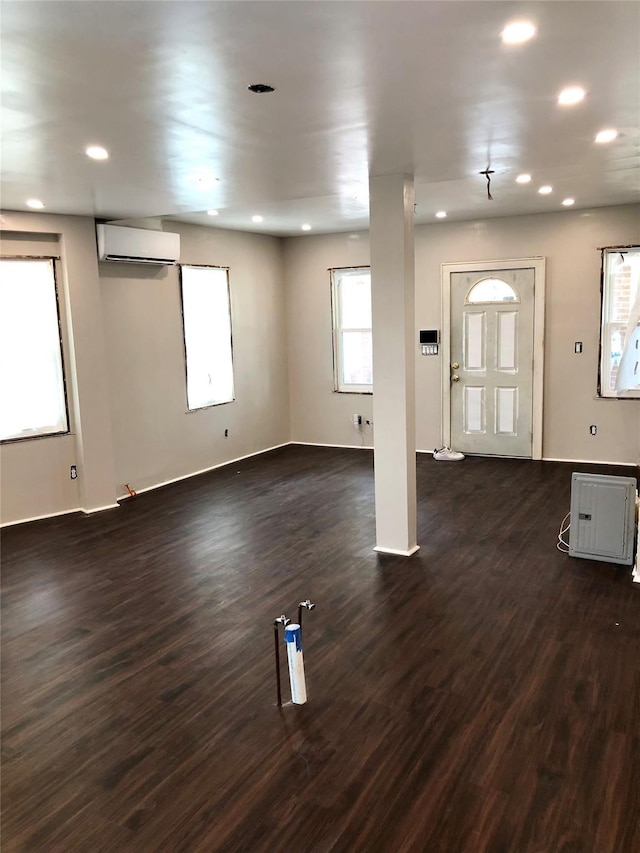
pixel 424 88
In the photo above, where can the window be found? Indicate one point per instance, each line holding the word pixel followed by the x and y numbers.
pixel 206 317
pixel 492 290
pixel 32 390
pixel 619 373
pixel 352 339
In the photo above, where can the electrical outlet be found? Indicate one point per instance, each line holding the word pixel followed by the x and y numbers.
pixel 593 429
pixel 73 472
pixel 577 347
pixel 356 420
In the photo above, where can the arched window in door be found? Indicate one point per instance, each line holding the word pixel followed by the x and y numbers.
pixel 491 290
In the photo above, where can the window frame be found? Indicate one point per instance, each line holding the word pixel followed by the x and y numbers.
pixel 188 410
pixel 604 336
pixel 337 328
pixel 55 260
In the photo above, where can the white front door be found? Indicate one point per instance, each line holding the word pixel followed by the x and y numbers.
pixel 491 361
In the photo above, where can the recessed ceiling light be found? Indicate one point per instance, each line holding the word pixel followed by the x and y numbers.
pixel 213 212
pixel 571 95
pixel 256 218
pixel 523 179
pixel 606 135
pixel 518 31
pixel 441 214
pixel 97 152
pixel 569 201
pixel 260 88
pixel 35 203
pixel 545 190
pixel 306 227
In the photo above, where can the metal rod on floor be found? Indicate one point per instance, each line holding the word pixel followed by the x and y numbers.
pixel 306 604
pixel 281 620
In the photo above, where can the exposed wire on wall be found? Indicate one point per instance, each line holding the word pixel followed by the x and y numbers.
pixel 487 173
pixel 562 544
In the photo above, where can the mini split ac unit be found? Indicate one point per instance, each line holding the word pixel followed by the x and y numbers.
pixel 137 245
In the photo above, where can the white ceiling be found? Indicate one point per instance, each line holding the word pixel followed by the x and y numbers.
pixel 425 88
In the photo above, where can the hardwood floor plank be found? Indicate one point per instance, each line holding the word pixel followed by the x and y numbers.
pixel 480 697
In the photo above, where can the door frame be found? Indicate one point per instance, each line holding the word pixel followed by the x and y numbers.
pixel 538 265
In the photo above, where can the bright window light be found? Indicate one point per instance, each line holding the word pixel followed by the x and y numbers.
pixel 31 376
pixel 352 337
pixel 619 373
pixel 206 314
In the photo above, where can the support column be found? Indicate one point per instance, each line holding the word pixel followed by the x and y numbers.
pixel 392 292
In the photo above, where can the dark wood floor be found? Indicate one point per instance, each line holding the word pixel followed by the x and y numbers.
pixel 483 695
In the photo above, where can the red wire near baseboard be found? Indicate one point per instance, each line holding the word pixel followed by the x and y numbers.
pixel 132 492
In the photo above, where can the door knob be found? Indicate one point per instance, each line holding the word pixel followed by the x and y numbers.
pixel 455 365
pixel 455 378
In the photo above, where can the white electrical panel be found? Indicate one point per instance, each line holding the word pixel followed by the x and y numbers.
pixel 602 518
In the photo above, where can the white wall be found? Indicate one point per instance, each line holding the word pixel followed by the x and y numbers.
pixel 319 414
pixel 35 473
pixel 125 369
pixel 155 438
pixel 569 240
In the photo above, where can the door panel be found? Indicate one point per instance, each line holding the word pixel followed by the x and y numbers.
pixel 492 341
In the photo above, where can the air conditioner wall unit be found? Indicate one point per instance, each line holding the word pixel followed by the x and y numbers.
pixel 137 245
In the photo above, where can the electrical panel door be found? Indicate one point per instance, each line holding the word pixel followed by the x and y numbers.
pixel 602 518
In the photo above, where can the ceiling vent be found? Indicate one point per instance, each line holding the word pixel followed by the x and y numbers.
pixel 137 246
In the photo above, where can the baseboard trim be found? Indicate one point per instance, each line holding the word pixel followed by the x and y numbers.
pixel 395 552
pixel 40 517
pixel 100 508
pixel 553 459
pixel 339 446
pixel 267 450
pixel 430 453
pixel 591 462
pixel 201 471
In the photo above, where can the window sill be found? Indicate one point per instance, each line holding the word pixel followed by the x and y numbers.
pixel 210 406
pixel 36 437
